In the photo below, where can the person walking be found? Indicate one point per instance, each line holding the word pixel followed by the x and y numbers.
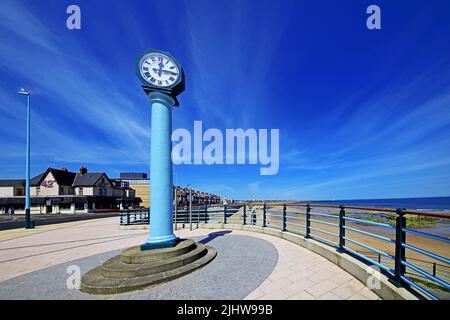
pixel 10 213
pixel 253 215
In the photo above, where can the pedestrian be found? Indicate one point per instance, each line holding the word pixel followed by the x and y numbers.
pixel 253 214
pixel 10 213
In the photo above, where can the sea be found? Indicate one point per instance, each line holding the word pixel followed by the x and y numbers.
pixel 428 203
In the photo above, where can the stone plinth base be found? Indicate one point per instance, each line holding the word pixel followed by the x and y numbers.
pixel 135 269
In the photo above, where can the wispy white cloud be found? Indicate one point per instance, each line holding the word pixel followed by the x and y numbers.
pixel 86 95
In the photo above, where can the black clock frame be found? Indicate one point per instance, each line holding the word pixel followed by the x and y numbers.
pixel 174 89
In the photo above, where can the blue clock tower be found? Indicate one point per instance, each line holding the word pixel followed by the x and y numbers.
pixel 140 266
pixel 162 80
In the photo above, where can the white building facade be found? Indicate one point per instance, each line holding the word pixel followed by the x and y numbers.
pixel 62 191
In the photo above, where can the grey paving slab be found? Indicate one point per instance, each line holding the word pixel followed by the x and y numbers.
pixel 243 263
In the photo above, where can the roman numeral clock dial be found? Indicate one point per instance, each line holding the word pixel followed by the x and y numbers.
pixel 159 70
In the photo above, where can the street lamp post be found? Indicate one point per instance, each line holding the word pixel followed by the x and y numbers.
pixel 28 224
pixel 190 206
pixel 175 200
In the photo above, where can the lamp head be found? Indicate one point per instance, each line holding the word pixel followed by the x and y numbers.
pixel 23 92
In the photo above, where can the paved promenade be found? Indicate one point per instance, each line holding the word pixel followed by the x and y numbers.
pixel 33 265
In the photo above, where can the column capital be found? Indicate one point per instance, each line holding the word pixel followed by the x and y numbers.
pixel 161 97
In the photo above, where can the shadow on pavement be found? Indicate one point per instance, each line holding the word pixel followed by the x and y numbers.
pixel 214 235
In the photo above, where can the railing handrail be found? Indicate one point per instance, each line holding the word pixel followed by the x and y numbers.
pixel 435 214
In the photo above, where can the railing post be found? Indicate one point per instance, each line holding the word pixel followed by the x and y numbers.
pixel 224 214
pixel 341 229
pixel 176 211
pixel 434 269
pixel 206 214
pixel 284 217
pixel 308 222
pixel 400 238
pixel 128 217
pixel 264 215
pixel 198 215
pixel 244 213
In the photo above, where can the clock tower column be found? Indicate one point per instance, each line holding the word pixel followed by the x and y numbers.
pixel 161 213
pixel 163 79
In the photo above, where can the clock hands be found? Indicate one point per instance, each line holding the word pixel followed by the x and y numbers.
pixel 164 71
pixel 161 65
pixel 170 72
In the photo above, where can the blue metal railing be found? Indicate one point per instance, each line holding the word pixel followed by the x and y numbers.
pixel 303 220
pixel 134 217
pixel 197 214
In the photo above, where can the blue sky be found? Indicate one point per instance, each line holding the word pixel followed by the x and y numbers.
pixel 362 114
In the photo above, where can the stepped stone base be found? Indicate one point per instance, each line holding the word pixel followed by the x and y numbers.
pixel 134 269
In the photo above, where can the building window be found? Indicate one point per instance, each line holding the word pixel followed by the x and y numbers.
pixel 19 192
pixel 38 190
pixel 80 191
pixel 62 190
pixel 64 206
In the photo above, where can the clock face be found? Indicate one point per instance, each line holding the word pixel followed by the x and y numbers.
pixel 159 70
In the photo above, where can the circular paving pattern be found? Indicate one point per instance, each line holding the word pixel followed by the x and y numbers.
pixel 242 264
